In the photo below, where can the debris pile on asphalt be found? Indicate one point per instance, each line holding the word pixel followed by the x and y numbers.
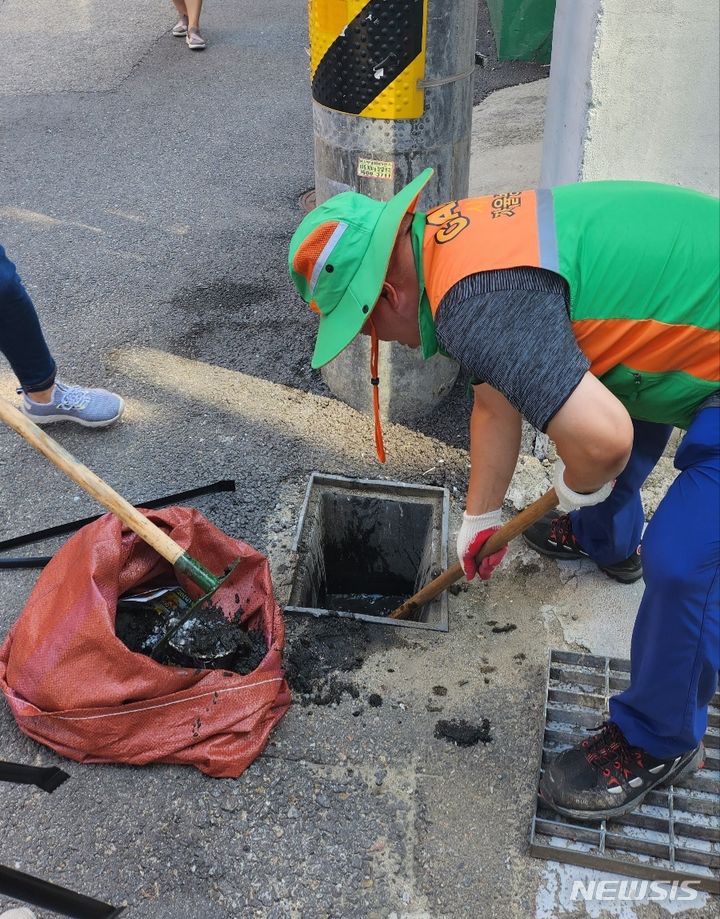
pixel 463 733
pixel 320 653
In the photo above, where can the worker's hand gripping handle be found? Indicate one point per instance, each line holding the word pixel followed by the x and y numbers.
pixel 500 538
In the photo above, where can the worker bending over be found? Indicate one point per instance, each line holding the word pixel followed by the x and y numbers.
pixel 591 310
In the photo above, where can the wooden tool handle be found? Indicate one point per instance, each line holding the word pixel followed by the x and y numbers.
pixel 499 538
pixel 91 483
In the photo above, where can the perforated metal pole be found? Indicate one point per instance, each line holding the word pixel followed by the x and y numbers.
pixel 392 88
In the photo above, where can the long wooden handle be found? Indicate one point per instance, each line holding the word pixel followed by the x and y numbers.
pixel 500 538
pixel 90 482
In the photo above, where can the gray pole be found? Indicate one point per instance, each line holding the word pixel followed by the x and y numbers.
pixel 392 88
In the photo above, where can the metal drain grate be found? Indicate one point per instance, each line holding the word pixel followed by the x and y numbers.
pixel 673 835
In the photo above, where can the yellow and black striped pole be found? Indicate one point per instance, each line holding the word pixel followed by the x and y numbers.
pixel 367 57
pixel 392 85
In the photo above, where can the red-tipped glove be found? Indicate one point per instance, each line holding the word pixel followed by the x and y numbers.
pixel 474 533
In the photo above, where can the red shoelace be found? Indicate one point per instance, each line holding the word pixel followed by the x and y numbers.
pixel 561 531
pixel 611 752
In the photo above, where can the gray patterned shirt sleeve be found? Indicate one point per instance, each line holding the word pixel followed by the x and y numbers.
pixel 511 329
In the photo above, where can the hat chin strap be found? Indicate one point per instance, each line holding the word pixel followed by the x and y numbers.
pixel 375 380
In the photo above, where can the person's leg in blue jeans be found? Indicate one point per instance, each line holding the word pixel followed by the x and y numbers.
pixel 676 639
pixel 611 531
pixel 45 399
pixel 21 338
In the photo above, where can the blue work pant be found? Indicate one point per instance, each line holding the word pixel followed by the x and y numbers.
pixel 21 338
pixel 675 653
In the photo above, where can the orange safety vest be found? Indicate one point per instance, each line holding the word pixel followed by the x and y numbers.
pixel 496 231
pixel 641 264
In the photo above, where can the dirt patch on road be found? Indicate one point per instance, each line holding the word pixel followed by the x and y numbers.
pixel 320 653
pixel 463 733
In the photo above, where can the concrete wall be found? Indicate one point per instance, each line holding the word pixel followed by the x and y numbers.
pixel 634 92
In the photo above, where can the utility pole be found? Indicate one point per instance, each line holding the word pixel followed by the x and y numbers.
pixel 392 88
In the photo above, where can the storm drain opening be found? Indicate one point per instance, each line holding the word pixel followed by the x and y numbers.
pixel 365 546
pixel 675 833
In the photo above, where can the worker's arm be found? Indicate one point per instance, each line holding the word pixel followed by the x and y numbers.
pixel 495 428
pixel 494 444
pixel 512 328
pixel 593 435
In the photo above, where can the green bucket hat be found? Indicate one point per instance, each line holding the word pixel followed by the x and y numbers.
pixel 339 257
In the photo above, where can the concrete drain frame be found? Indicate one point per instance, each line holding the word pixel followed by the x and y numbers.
pixel 401 529
pixel 673 836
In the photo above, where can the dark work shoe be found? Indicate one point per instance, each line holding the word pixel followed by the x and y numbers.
pixel 553 536
pixel 604 776
pixel 627 571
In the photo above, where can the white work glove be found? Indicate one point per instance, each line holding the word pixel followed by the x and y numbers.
pixel 475 531
pixel 569 500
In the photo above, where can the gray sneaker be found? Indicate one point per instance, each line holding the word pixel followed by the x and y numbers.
pixel 180 27
pixel 195 41
pixel 19 912
pixel 93 408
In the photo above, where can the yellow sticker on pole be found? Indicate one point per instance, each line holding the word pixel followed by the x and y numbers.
pixel 367 57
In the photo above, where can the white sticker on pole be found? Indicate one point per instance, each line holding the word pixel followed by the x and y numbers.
pixel 376 169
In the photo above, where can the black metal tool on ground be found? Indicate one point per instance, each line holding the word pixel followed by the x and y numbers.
pixel 63 529
pixel 46 777
pixel 36 892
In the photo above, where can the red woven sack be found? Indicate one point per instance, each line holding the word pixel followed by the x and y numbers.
pixel 74 686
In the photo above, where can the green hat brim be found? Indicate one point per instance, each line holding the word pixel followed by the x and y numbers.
pixel 344 323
